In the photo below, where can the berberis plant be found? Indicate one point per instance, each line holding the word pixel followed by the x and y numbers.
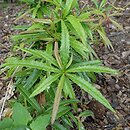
pixel 59 56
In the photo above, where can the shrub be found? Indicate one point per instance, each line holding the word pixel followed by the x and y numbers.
pixel 58 54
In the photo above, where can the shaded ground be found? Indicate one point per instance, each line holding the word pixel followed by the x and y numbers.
pixel 115 89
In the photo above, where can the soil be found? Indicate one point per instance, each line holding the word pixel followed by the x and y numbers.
pixel 115 88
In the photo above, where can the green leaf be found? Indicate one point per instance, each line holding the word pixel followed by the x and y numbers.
pixel 21 116
pixel 66 120
pixel 68 101
pixel 21 27
pixel 58 126
pixel 93 68
pixel 85 63
pixel 31 37
pixel 23 15
pixel 44 84
pixel 68 7
pixel 65 44
pixel 88 30
pixel 13 62
pixel 105 39
pixel 40 54
pixel 57 98
pixel 78 27
pixel 79 47
pixel 80 125
pixel 98 12
pixel 49 52
pixel 103 2
pixel 86 86
pixel 37 20
pixel 32 79
pixel 74 118
pixel 19 128
pixel 28 1
pixel 84 16
pixel 95 2
pixel 86 113
pixel 68 90
pixel 63 103
pixel 70 62
pixel 36 26
pixel 120 27
pixel 40 123
pixel 33 32
pixel 34 14
pixel 6 123
pixel 63 110
pixel 26 95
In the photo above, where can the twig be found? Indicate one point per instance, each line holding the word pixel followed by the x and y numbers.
pixel 119 33
pixel 4 46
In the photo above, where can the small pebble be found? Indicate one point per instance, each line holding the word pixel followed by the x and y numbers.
pixel 123 40
pixel 5 25
pixel 97 86
pixel 6 16
pixel 127 128
pixel 129 59
pixel 128 42
pixel 125 54
pixel 117 87
pixel 111 118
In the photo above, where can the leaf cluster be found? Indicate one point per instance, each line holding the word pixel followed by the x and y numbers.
pixel 58 55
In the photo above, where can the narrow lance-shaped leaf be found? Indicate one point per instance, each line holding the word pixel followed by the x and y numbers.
pixel 49 52
pixel 34 13
pixel 32 78
pixel 58 126
pixel 79 47
pixel 26 95
pixel 86 63
pixel 29 63
pixel 57 99
pixel 23 15
pixel 70 62
pixel 78 27
pixel 103 2
pixel 44 84
pixel 86 86
pixel 68 90
pixel 65 44
pixel 44 21
pixel 40 54
pixel 93 68
pixel 116 24
pixel 95 2
pixel 68 6
pixel 67 120
pixel 105 39
pixel 86 113
pixel 63 110
pixel 35 26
